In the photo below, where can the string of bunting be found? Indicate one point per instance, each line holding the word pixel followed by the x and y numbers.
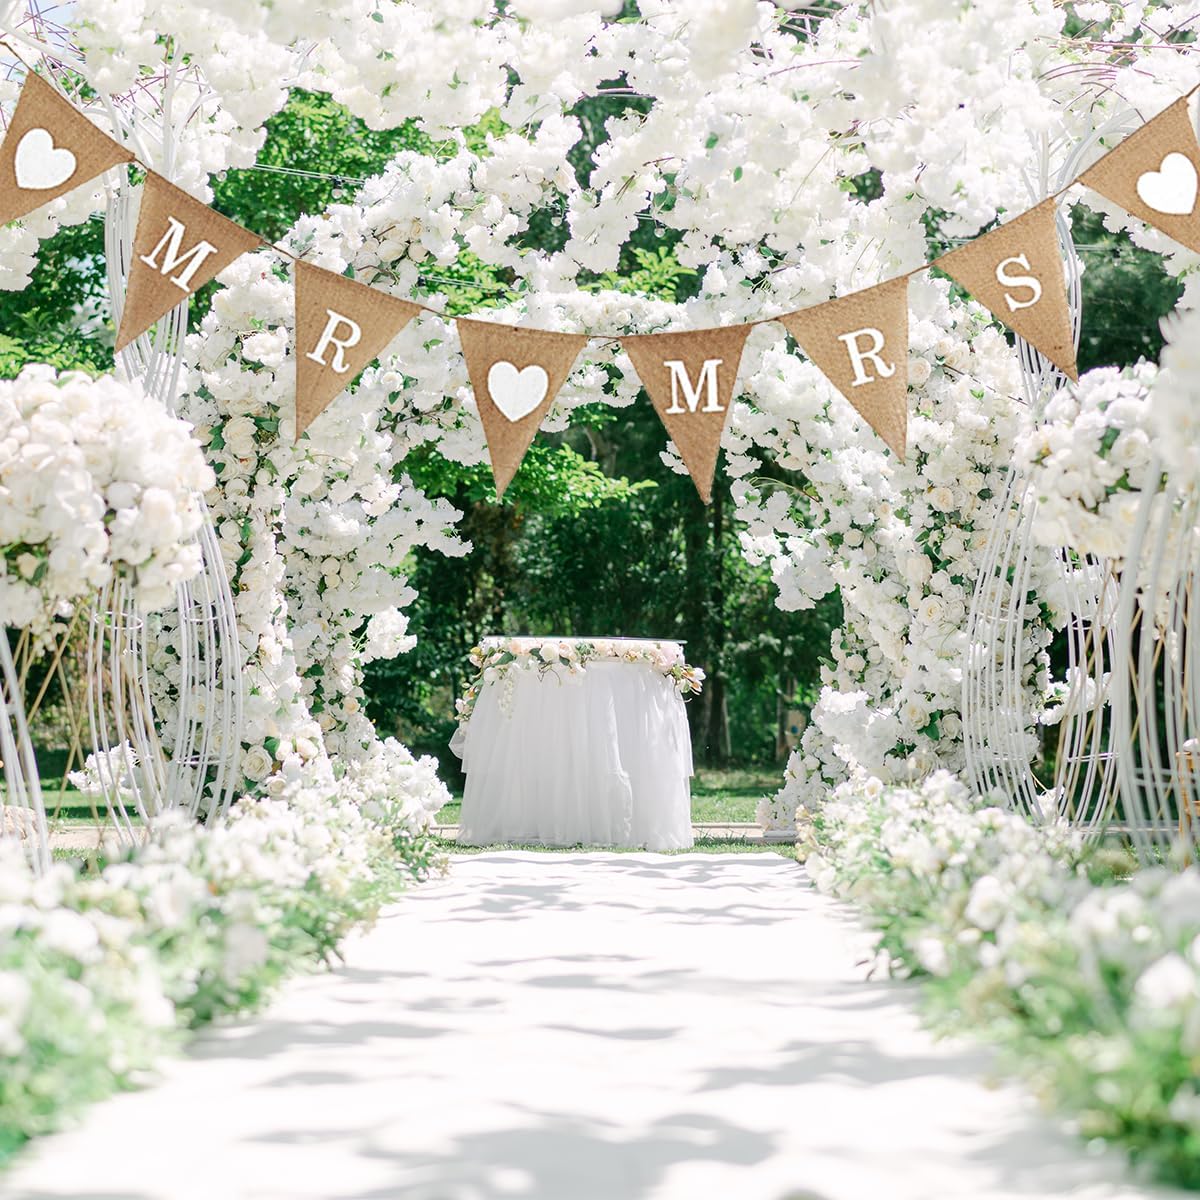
pixel 859 341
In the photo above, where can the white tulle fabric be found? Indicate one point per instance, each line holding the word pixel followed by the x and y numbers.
pixel 603 759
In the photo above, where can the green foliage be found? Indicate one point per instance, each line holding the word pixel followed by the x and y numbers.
pixel 41 323
pixel 657 273
pixel 316 154
pixel 552 479
pixel 1126 293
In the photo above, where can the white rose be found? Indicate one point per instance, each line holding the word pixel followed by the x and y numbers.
pixel 941 498
pixel 1168 983
pixel 257 763
pixel 239 434
pixel 988 902
pixel 931 610
pixel 246 947
pixel 919 371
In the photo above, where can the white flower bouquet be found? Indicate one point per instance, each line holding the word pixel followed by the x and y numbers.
pixel 1090 460
pixel 96 481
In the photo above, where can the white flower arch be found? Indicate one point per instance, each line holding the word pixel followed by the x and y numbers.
pixel 753 125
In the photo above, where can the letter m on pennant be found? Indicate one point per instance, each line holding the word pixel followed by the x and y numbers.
pixel 175 258
pixel 681 383
pixel 180 244
pixel 689 378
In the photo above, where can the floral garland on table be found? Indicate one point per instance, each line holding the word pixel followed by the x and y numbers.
pixel 1089 981
pixel 498 663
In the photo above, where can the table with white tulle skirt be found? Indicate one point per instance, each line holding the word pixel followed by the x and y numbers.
pixel 599 756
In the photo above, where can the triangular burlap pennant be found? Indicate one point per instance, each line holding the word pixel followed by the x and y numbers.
pixel 515 373
pixel 179 245
pixel 1155 175
pixel 1017 272
pixel 340 327
pixel 50 149
pixel 689 377
pixel 860 342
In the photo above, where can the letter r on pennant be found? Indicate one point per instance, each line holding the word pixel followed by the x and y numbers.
pixel 691 394
pixel 170 246
pixel 859 356
pixel 329 337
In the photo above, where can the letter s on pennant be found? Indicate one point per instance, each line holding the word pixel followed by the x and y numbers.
pixel 1029 283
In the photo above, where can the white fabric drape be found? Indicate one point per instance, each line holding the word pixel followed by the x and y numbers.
pixel 602 759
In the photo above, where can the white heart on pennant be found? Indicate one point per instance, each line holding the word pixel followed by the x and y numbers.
pixel 1172 188
pixel 39 164
pixel 517 393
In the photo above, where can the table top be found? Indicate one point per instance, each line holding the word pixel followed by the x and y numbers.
pixel 529 640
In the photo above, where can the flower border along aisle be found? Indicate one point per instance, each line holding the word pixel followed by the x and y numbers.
pixel 100 974
pixel 98 971
pixel 1031 938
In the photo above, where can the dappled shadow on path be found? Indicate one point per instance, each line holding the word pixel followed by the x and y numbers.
pixel 600 1027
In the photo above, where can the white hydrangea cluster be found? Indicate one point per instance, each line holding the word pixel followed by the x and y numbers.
pixel 97 481
pixel 904 542
pixel 984 866
pixel 315 535
pixel 1174 415
pixel 1090 458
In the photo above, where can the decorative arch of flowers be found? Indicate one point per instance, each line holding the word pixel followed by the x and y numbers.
pixel 758 119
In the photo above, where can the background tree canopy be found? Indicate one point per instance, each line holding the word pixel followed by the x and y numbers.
pixel 595 535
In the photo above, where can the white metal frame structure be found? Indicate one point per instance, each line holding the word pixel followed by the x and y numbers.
pixel 144 768
pixel 1156 687
pixel 193 764
pixel 999 730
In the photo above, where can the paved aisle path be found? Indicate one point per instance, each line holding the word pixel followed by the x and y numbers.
pixel 581 1027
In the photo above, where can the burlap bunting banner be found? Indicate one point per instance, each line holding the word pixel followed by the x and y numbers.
pixel 1017 272
pixel 340 327
pixel 1155 175
pixel 179 245
pixel 689 378
pixel 860 342
pixel 50 149
pixel 515 374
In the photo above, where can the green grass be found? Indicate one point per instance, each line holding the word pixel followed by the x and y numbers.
pixel 71 854
pixel 730 795
pixel 720 796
